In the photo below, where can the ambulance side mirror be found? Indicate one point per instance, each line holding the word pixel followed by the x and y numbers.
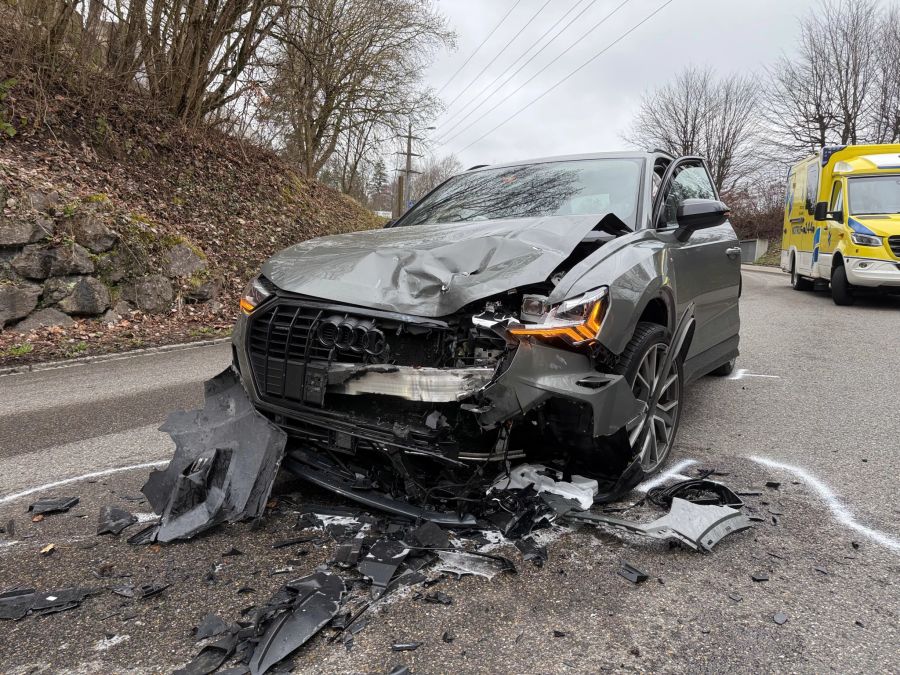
pixel 822 213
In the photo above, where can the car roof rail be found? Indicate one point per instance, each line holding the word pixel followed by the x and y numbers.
pixel 477 166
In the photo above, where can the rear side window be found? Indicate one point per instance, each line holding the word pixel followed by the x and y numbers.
pixel 812 186
pixel 691 181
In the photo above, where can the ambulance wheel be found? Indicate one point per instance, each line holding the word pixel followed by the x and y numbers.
pixel 841 290
pixel 799 283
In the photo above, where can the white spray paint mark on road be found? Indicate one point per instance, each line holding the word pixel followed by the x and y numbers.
pixel 96 474
pixel 841 513
pixel 742 373
pixel 674 472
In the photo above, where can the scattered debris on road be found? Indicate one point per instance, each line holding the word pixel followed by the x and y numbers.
pixel 113 520
pixel 632 573
pixel 52 505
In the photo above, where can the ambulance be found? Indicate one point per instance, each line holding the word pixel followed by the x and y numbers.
pixel 842 221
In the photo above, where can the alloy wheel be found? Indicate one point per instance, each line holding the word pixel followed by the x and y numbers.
pixel 652 435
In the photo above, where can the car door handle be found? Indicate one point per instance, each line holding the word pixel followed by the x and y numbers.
pixel 733 251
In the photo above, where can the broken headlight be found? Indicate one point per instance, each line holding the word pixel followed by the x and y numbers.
pixel 576 321
pixel 255 293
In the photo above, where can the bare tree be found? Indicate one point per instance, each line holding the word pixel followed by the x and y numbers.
pixel 189 55
pixel 884 117
pixel 433 171
pixel 822 94
pixel 698 113
pixel 350 69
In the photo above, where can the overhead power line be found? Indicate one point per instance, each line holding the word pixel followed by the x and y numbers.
pixel 578 69
pixel 486 38
pixel 505 47
pixel 531 79
pixel 478 96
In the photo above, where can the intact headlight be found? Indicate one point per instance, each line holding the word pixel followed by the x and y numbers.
pixel 255 293
pixel 865 239
pixel 577 320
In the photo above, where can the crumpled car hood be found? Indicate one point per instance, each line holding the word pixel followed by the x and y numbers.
pixel 428 270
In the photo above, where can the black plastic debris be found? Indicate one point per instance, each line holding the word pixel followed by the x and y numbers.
pixel 430 535
pixel 531 551
pixel 294 541
pixel 210 626
pixel 821 570
pixel 60 600
pixel 399 670
pixel 438 598
pixel 16 603
pixel 759 576
pixel 300 610
pixel 113 520
pixel 211 657
pixel 347 553
pixel 144 536
pixel 559 633
pixel 232 551
pixel 448 637
pixel 406 646
pixel 142 591
pixel 382 561
pixel 226 458
pixel 774 485
pixel 780 618
pixel 52 505
pixel 696 491
pixel 632 573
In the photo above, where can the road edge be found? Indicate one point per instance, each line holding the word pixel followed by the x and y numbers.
pixel 99 358
pixel 762 268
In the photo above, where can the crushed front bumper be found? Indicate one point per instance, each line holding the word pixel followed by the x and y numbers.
pixel 530 377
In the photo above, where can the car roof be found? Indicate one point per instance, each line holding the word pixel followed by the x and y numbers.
pixel 628 154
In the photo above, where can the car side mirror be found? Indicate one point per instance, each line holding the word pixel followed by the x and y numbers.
pixel 821 212
pixel 699 214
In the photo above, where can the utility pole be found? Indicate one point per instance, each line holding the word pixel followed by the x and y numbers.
pixel 404 183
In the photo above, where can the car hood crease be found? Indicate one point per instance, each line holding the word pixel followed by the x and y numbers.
pixel 428 270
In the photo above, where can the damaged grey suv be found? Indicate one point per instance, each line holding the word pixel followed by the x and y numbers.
pixel 550 310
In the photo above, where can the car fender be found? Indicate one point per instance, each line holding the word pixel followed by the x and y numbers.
pixel 635 268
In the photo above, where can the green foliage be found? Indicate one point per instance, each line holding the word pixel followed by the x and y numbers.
pixel 19 350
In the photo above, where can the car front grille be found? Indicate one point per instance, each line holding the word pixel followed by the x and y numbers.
pixel 894 243
pixel 289 362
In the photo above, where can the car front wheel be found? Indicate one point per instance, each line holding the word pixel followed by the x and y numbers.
pixel 658 386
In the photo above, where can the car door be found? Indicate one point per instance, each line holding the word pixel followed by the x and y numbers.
pixel 831 230
pixel 706 267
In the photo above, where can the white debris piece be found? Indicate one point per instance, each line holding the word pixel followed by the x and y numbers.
pixel 545 479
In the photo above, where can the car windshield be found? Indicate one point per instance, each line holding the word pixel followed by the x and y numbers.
pixel 579 187
pixel 875 195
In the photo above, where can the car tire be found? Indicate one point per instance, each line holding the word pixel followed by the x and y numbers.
pixel 661 394
pixel 841 290
pixel 799 283
pixel 724 370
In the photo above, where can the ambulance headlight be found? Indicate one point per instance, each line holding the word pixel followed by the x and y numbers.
pixel 865 239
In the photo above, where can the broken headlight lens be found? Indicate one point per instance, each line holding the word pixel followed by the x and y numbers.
pixel 255 293
pixel 865 239
pixel 576 321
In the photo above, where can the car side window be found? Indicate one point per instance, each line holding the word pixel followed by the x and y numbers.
pixel 690 181
pixel 837 197
pixel 812 187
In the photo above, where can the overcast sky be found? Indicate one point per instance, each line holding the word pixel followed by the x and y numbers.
pixel 591 110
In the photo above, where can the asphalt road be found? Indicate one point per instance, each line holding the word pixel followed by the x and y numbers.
pixel 813 408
